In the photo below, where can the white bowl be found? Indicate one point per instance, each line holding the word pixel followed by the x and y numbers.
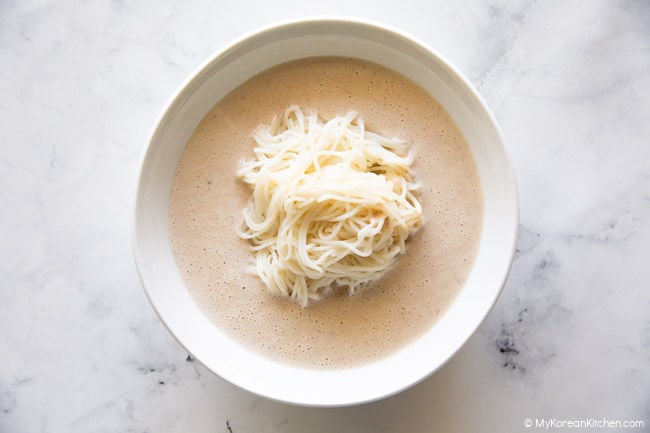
pixel 223 73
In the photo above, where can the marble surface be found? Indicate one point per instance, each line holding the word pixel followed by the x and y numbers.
pixel 81 84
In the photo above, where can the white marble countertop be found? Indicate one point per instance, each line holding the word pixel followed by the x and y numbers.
pixel 81 84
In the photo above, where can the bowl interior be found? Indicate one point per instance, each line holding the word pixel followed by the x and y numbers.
pixel 221 75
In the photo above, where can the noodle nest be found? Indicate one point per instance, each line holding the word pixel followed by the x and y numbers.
pixel 332 204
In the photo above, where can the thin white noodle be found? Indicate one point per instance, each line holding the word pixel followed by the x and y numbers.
pixel 333 204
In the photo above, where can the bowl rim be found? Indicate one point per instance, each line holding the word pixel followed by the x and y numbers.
pixel 146 155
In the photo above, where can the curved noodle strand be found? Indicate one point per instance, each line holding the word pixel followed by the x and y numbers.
pixel 333 204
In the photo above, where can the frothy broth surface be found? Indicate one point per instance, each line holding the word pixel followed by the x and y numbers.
pixel 207 202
